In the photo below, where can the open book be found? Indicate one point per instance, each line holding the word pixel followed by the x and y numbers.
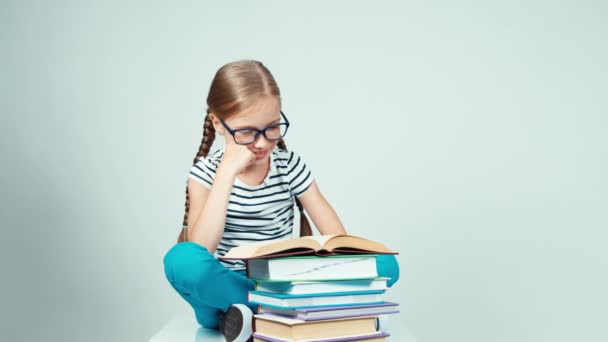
pixel 321 245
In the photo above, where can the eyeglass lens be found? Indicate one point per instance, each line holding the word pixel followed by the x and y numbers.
pixel 248 136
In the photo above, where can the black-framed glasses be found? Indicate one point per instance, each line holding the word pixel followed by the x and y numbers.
pixel 246 136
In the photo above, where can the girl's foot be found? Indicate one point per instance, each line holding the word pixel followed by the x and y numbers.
pixel 235 324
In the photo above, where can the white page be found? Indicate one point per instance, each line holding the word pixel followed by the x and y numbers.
pixel 321 239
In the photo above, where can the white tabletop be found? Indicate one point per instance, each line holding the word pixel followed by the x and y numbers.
pixel 184 328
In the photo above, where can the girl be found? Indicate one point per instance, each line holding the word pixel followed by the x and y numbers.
pixel 240 194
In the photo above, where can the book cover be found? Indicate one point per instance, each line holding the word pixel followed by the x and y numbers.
pixel 287 301
pixel 321 245
pixel 331 312
pixel 321 286
pixel 288 328
pixel 374 337
pixel 313 267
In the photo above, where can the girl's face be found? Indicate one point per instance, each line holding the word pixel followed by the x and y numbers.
pixel 263 114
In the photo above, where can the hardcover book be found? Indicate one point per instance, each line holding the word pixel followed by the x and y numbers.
pixel 320 286
pixel 313 267
pixel 332 312
pixel 283 301
pixel 321 245
pixel 293 329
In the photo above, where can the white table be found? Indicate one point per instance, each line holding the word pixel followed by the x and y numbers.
pixel 185 328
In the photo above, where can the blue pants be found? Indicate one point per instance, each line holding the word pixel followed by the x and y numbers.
pixel 208 286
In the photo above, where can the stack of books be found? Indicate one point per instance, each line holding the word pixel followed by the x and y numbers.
pixel 319 288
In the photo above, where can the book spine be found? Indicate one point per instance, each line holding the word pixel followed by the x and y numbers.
pixel 316 306
pixel 314 295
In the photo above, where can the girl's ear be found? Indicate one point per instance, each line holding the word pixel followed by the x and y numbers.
pixel 219 128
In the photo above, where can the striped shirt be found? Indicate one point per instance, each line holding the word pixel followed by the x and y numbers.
pixel 258 212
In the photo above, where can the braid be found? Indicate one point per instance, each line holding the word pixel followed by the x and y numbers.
pixel 203 151
pixel 305 229
pixel 281 144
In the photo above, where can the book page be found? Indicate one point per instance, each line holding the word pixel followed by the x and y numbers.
pixel 321 239
pixel 245 250
pixel 350 241
pixel 260 248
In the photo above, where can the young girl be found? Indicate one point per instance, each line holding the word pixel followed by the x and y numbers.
pixel 240 194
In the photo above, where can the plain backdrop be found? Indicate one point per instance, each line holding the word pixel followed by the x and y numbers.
pixel 468 136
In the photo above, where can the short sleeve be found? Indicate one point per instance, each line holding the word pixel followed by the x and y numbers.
pixel 299 175
pixel 203 171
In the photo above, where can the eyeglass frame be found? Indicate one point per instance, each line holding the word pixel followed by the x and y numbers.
pixel 258 131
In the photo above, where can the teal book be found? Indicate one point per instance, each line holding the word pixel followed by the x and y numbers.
pixel 310 287
pixel 288 301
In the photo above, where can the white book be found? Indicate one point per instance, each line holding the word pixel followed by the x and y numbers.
pixel 310 287
pixel 285 301
pixel 336 267
pixel 332 312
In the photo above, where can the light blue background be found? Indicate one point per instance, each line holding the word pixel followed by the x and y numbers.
pixel 470 137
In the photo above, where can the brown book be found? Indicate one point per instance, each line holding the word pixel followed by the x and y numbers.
pixel 321 245
pixel 284 328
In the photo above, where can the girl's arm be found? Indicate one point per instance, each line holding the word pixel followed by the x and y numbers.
pixel 323 215
pixel 208 207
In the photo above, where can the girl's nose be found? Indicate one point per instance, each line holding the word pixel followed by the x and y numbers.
pixel 261 142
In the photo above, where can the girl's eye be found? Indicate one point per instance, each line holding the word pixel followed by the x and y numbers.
pixel 246 132
pixel 273 129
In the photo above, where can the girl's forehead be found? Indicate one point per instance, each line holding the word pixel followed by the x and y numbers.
pixel 256 117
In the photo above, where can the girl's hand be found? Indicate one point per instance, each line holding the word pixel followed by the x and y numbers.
pixel 236 158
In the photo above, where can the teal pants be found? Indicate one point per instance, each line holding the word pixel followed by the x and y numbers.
pixel 208 286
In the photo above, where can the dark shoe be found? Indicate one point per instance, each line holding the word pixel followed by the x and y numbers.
pixel 235 324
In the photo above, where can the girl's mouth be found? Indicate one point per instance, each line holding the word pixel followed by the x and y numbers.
pixel 260 155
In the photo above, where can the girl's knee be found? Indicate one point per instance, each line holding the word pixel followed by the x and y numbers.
pixel 388 266
pixel 206 318
pixel 185 259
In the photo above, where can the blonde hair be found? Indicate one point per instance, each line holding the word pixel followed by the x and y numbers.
pixel 237 86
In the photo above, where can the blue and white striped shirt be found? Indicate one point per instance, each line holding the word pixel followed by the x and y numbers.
pixel 260 212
